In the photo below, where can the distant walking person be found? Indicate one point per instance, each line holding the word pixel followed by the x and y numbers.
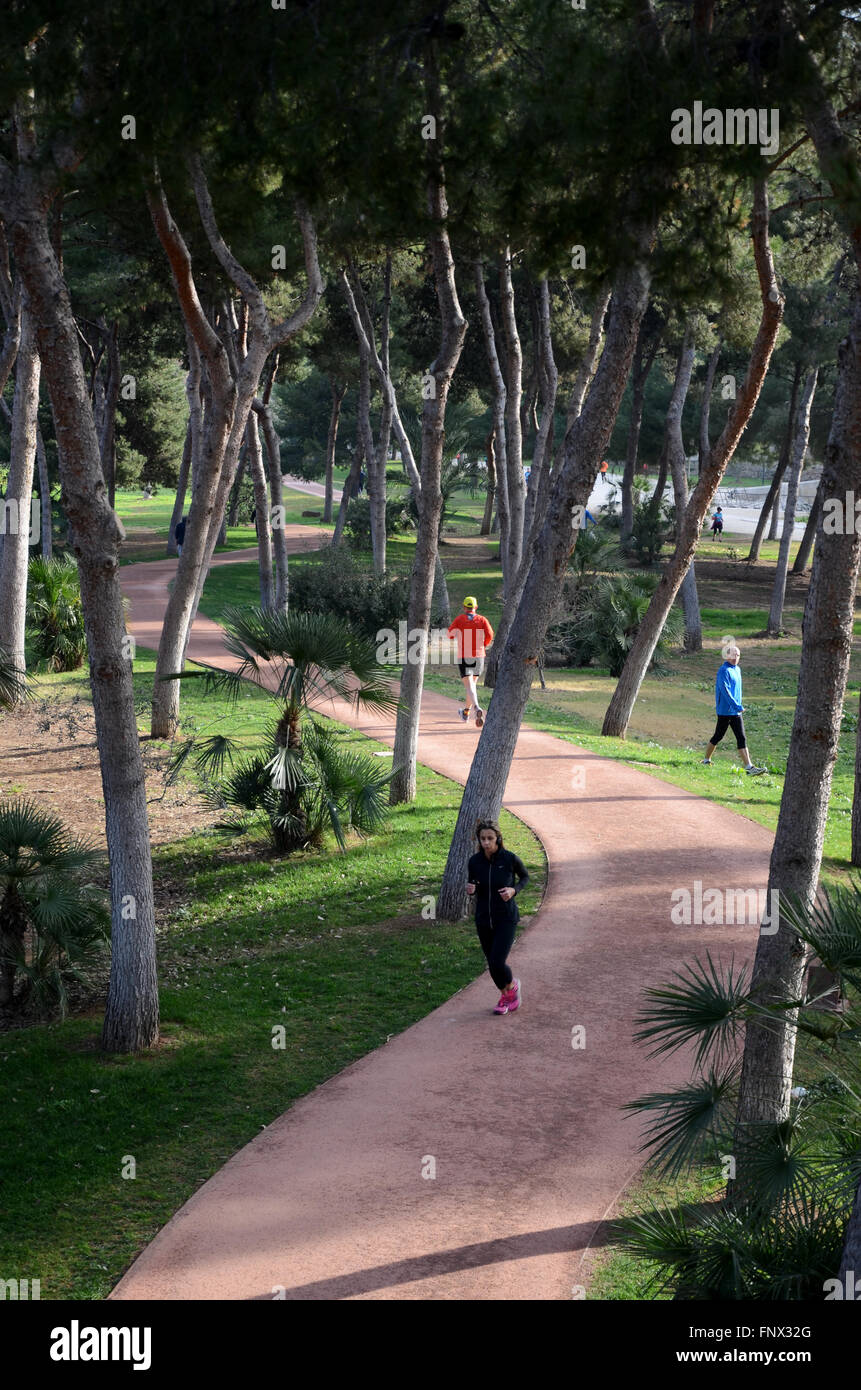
pixel 730 708
pixel 604 467
pixel 495 878
pixel 179 533
pixel 717 522
pixel 474 636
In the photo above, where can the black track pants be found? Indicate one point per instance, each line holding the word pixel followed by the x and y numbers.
pixel 730 721
pixel 496 942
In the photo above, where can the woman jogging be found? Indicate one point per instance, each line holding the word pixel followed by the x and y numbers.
pixel 495 877
pixel 474 636
pixel 729 709
pixel 717 522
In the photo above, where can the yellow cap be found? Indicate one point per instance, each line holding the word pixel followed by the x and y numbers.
pixel 470 602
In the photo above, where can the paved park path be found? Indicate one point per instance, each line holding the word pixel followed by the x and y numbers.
pixel 530 1144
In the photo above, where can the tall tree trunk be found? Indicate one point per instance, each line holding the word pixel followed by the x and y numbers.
pixel 801 562
pixel 226 419
pixel 108 430
pixel 453 331
pixel 584 447
pixel 642 366
pixel 44 497
pixel 643 647
pixel 771 505
pixel 799 449
pixel 181 489
pixel 490 495
pixel 674 450
pixel 661 483
pixel 189 465
pixel 264 515
pixel 499 397
pixel 241 472
pixel 131 1017
pixel 513 432
pixel 338 393
pixel 705 412
pixel 263 411
pixel 19 492
pixel 539 483
pixel 769 1047
pixel 351 482
pixel 548 383
pixel 587 368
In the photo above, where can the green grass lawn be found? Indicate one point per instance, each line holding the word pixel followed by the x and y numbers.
pixel 331 946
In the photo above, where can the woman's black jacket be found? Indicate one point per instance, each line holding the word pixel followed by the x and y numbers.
pixel 502 870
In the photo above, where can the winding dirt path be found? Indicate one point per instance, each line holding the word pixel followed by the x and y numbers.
pixel 530 1145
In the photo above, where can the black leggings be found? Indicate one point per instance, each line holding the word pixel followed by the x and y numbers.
pixel 730 721
pixel 496 942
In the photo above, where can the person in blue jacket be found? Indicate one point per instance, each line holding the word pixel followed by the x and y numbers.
pixel 730 708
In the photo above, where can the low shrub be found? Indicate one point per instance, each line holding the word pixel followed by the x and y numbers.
pixel 339 584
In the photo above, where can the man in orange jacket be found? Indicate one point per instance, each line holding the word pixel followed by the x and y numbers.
pixel 474 636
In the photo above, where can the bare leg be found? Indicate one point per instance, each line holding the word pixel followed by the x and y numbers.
pixel 469 687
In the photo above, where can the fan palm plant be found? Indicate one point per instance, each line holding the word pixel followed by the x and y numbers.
pixel 607 618
pixel 55 617
pixel 300 659
pixel 13 682
pixel 781 1235
pixel 51 919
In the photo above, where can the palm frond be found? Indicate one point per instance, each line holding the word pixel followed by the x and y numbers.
pixel 706 1006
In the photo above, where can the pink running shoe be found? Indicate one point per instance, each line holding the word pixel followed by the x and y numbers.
pixel 509 1000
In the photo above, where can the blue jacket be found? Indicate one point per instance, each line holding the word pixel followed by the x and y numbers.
pixel 728 689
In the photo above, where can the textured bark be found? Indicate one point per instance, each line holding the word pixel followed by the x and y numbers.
pixel 262 506
pixel 548 383
pixel 513 431
pixel 641 367
pixel 771 505
pixel 705 412
pixel 499 398
pixel 584 446
pixel 453 331
pixel 181 489
pixel 361 318
pixel 338 394
pixel 263 411
pixel 19 491
pixel 191 448
pixel 351 482
pixel 801 563
pixel 231 400
pixel 799 449
pixel 674 450
pixel 796 858
pixel 219 415
pixel 643 647
pixel 108 424
pixel 490 495
pixel 539 486
pixel 586 370
pixel 44 496
pixel 131 1017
